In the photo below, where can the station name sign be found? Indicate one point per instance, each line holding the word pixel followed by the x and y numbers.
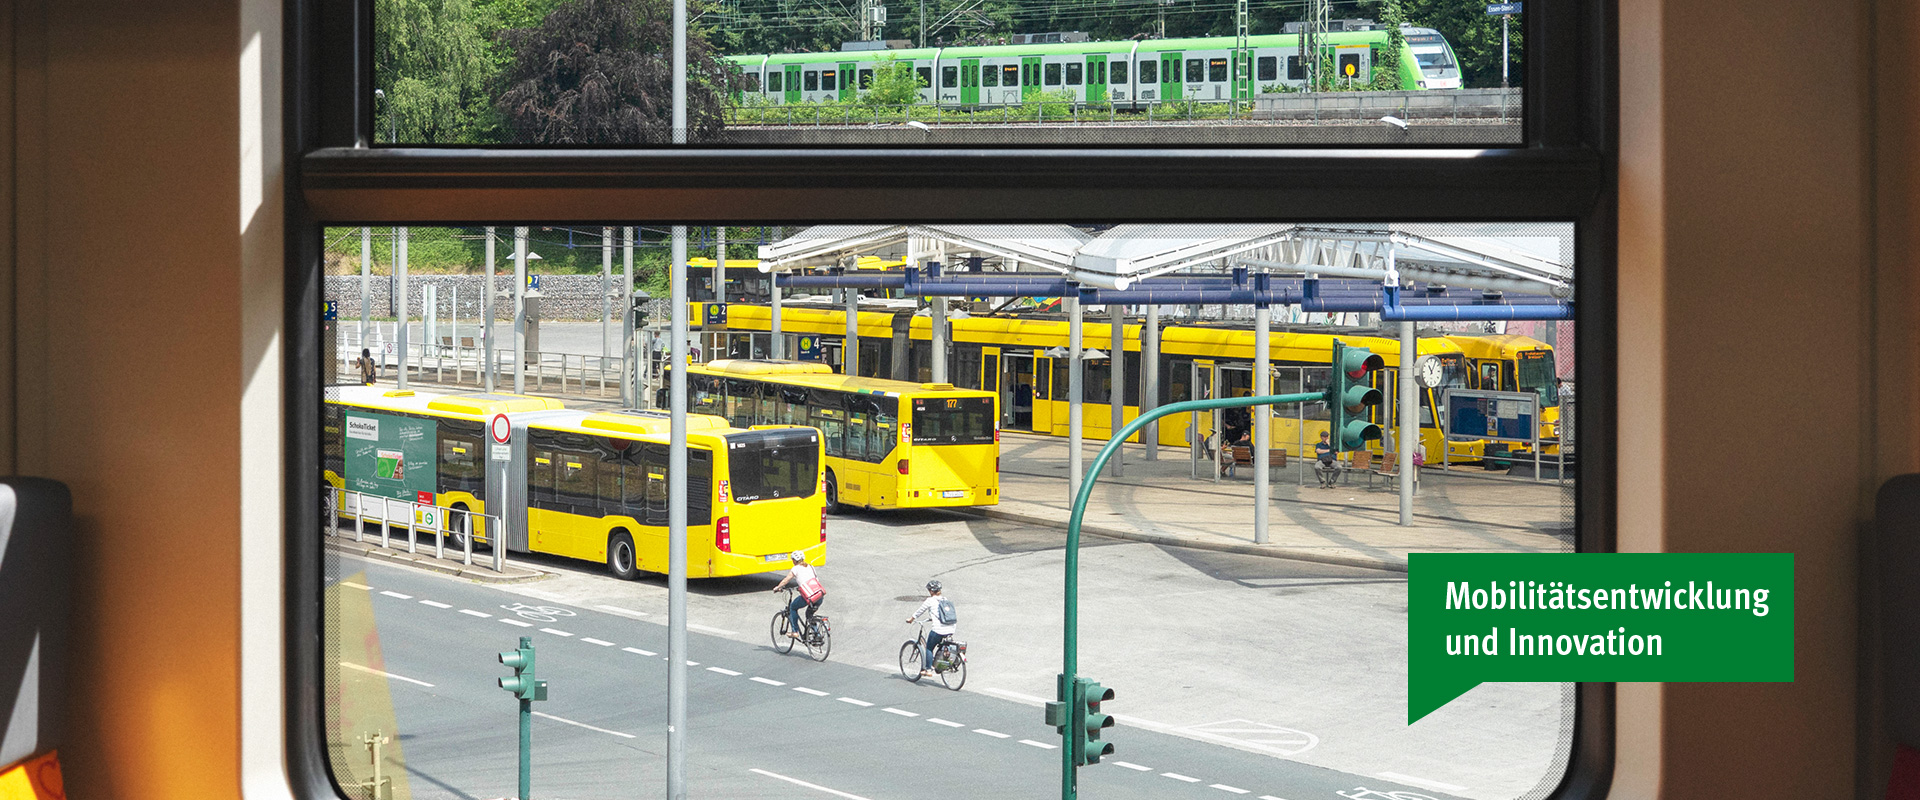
pixel 1502 9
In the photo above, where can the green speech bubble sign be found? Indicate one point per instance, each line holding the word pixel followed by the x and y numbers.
pixel 1594 617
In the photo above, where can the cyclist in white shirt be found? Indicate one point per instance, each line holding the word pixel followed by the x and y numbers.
pixel 810 596
pixel 942 621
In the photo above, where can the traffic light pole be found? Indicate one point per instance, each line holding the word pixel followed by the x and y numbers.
pixel 1070 649
pixel 526 749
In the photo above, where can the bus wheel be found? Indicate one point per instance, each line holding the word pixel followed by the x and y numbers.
pixel 620 558
pixel 456 528
pixel 833 494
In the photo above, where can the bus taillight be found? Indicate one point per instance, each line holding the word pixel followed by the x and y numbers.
pixel 902 466
pixel 823 525
pixel 723 535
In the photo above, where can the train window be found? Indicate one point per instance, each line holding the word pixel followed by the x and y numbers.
pixel 1268 67
pixel 1010 75
pixel 1217 70
pixel 949 77
pixel 1073 73
pixel 1296 70
pixel 990 76
pixel 866 79
pixel 1149 71
pixel 1119 72
pixel 813 80
pixel 773 81
pixel 1196 70
pixel 1053 75
pixel 926 76
pixel 750 83
pixel 828 80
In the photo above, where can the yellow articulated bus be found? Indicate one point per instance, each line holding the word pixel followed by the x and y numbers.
pixel 586 485
pixel 1007 355
pixel 889 444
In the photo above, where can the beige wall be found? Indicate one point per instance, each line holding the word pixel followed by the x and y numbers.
pixel 1747 182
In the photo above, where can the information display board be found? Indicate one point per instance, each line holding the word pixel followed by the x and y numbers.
pixel 391 456
pixel 1499 416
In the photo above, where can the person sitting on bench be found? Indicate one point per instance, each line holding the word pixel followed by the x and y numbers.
pixel 1323 466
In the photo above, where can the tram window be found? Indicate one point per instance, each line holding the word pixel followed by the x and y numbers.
pixel 1149 72
pixel 1296 71
pixel 813 80
pixel 1196 70
pixel 1053 75
pixel 949 77
pixel 1098 381
pixel 1133 377
pixel 1060 380
pixel 1010 75
pixel 966 366
pixel 1217 70
pixel 866 82
pixel 926 76
pixel 828 79
pixel 990 76
pixel 1316 379
pixel 1119 72
pixel 1073 73
pixel 1174 378
pixel 773 81
pixel 1269 67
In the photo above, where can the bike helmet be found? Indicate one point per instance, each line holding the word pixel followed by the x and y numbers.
pixel 933 586
pixel 798 557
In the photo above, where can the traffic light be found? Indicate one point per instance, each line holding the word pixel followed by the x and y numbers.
pixel 1088 722
pixel 1349 395
pixel 522 684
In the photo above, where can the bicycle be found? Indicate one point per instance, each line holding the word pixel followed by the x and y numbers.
pixel 818 634
pixel 949 661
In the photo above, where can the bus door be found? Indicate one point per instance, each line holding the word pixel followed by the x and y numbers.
pixel 1171 77
pixel 1029 77
pixel 969 82
pixel 1096 79
pixel 792 85
pixel 1041 417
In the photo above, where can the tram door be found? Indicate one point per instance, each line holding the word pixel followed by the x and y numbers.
pixel 1041 420
pixel 1016 390
pixel 989 377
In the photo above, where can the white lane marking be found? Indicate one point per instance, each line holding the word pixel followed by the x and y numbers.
pixel 712 630
pixel 1132 766
pixel 1271 797
pixel 355 585
pixel 472 613
pixel 1041 745
pixel 813 786
pixel 434 604
pixel 545 715
pixel 860 703
pixel 1179 777
pixel 900 712
pixel 1017 696
pixel 1225 788
pixel 693 663
pixel 516 623
pixel 397 594
pixel 351 665
pixel 1425 783
pixel 722 671
pixel 601 642
pixel 767 681
pixel 994 734
pixel 814 692
pixel 640 651
pixel 948 723
pixel 1258 735
pixel 625 612
pixel 555 632
pixel 1145 723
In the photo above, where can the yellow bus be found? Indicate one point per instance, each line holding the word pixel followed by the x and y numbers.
pixel 1514 363
pixel 889 444
pixel 586 485
pixel 1007 355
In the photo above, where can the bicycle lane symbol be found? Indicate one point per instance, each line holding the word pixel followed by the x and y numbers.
pixel 537 613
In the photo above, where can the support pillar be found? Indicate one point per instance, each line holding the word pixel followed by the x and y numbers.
pixel 850 349
pixel 406 316
pixel 1076 383
pixel 1409 437
pixel 520 310
pixel 1150 382
pixel 1117 379
pixel 937 318
pixel 1262 384
pixel 486 324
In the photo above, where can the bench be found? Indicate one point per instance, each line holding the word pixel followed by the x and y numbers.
pixel 1389 468
pixel 1241 454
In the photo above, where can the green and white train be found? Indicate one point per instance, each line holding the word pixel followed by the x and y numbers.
pixel 1128 74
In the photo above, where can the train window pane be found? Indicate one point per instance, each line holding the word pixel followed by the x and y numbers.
pixel 773 82
pixel 949 77
pixel 1073 74
pixel 1296 69
pixel 813 80
pixel 1217 70
pixel 1196 70
pixel 1053 75
pixel 866 79
pixel 990 76
pixel 926 76
pixel 1149 72
pixel 828 79
pixel 1010 75
pixel 1268 68
pixel 1119 72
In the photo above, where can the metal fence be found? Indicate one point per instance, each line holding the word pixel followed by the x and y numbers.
pixel 464 364
pixel 386 513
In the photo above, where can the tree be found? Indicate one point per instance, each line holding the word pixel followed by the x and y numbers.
pixel 1475 38
pixel 432 65
pixel 601 72
pixel 895 83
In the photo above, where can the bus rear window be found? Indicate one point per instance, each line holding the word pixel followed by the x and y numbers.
pixel 953 420
pixel 771 465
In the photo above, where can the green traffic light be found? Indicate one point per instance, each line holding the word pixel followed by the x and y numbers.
pixel 1087 697
pixel 522 684
pixel 1349 395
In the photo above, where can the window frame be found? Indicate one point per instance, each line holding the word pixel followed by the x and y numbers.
pixel 1562 171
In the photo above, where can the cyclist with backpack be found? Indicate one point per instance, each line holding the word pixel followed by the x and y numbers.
pixel 941 621
pixel 810 596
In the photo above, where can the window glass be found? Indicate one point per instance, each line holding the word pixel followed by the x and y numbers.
pixel 773 465
pixel 1296 69
pixel 1268 68
pixel 1149 71
pixel 813 80
pixel 1010 75
pixel 866 79
pixel 1119 71
pixel 828 80
pixel 1073 73
pixel 949 77
pixel 773 81
pixel 1217 70
pixel 1196 70
pixel 1053 75
pixel 953 420
pixel 926 76
pixel 990 76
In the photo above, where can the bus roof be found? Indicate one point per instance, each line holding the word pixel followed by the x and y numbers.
pixel 637 421
pixel 829 380
pixel 478 405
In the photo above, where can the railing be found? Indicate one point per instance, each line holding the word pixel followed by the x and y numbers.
pixel 432 362
pixel 386 512
pixel 1033 112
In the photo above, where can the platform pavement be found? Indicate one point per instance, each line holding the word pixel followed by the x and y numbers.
pixel 481 570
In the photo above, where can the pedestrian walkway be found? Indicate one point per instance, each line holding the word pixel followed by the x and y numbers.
pixel 480 570
pixel 1463 510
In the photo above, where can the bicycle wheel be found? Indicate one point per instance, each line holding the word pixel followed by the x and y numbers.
pixel 780 641
pixel 955 676
pixel 910 661
pixel 819 641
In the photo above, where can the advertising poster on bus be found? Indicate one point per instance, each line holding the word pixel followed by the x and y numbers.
pixel 390 456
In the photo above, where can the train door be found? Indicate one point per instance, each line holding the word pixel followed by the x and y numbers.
pixel 1096 79
pixel 1017 391
pixel 1171 77
pixel 969 82
pixel 1242 74
pixel 1029 77
pixel 792 83
pixel 847 88
pixel 1041 418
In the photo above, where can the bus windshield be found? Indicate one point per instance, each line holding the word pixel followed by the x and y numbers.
pixel 953 420
pixel 1535 373
pixel 776 464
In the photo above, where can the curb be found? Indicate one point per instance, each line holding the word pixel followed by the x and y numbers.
pixel 428 563
pixel 1197 544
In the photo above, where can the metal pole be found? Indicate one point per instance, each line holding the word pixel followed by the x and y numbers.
pixel 1150 383
pixel 453 317
pixel 606 295
pixel 720 267
pixel 520 310
pixel 1262 420
pixel 526 743
pixel 1409 420
pixel 629 377
pixel 938 320
pixel 1504 19
pixel 366 279
pixel 778 348
pixel 400 270
pixel 677 475
pixel 1117 379
pixel 1076 382
pixel 486 329
pixel 850 349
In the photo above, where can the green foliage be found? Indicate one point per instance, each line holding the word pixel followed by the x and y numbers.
pixel 432 65
pixel 895 83
pixel 1474 35
pixel 601 72
pixel 1386 60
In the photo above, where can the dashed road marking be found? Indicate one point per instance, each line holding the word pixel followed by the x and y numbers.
pixel 814 786
pixel 722 671
pixel 434 604
pixel 693 663
pixel 472 613
pixel 397 594
pixel 1179 777
pixel 1132 766
pixel 860 703
pixel 1017 696
pixel 712 630
pixel 601 642
pixel 814 692
pixel 1225 788
pixel 946 722
pixel 351 665
pixel 1041 745
pixel 1425 783
pixel 555 631
pixel 640 651
pixel 582 725
pixel 767 681
pixel 516 623
pixel 625 612
pixel 994 734
pixel 900 712
pixel 1271 797
pixel 351 584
